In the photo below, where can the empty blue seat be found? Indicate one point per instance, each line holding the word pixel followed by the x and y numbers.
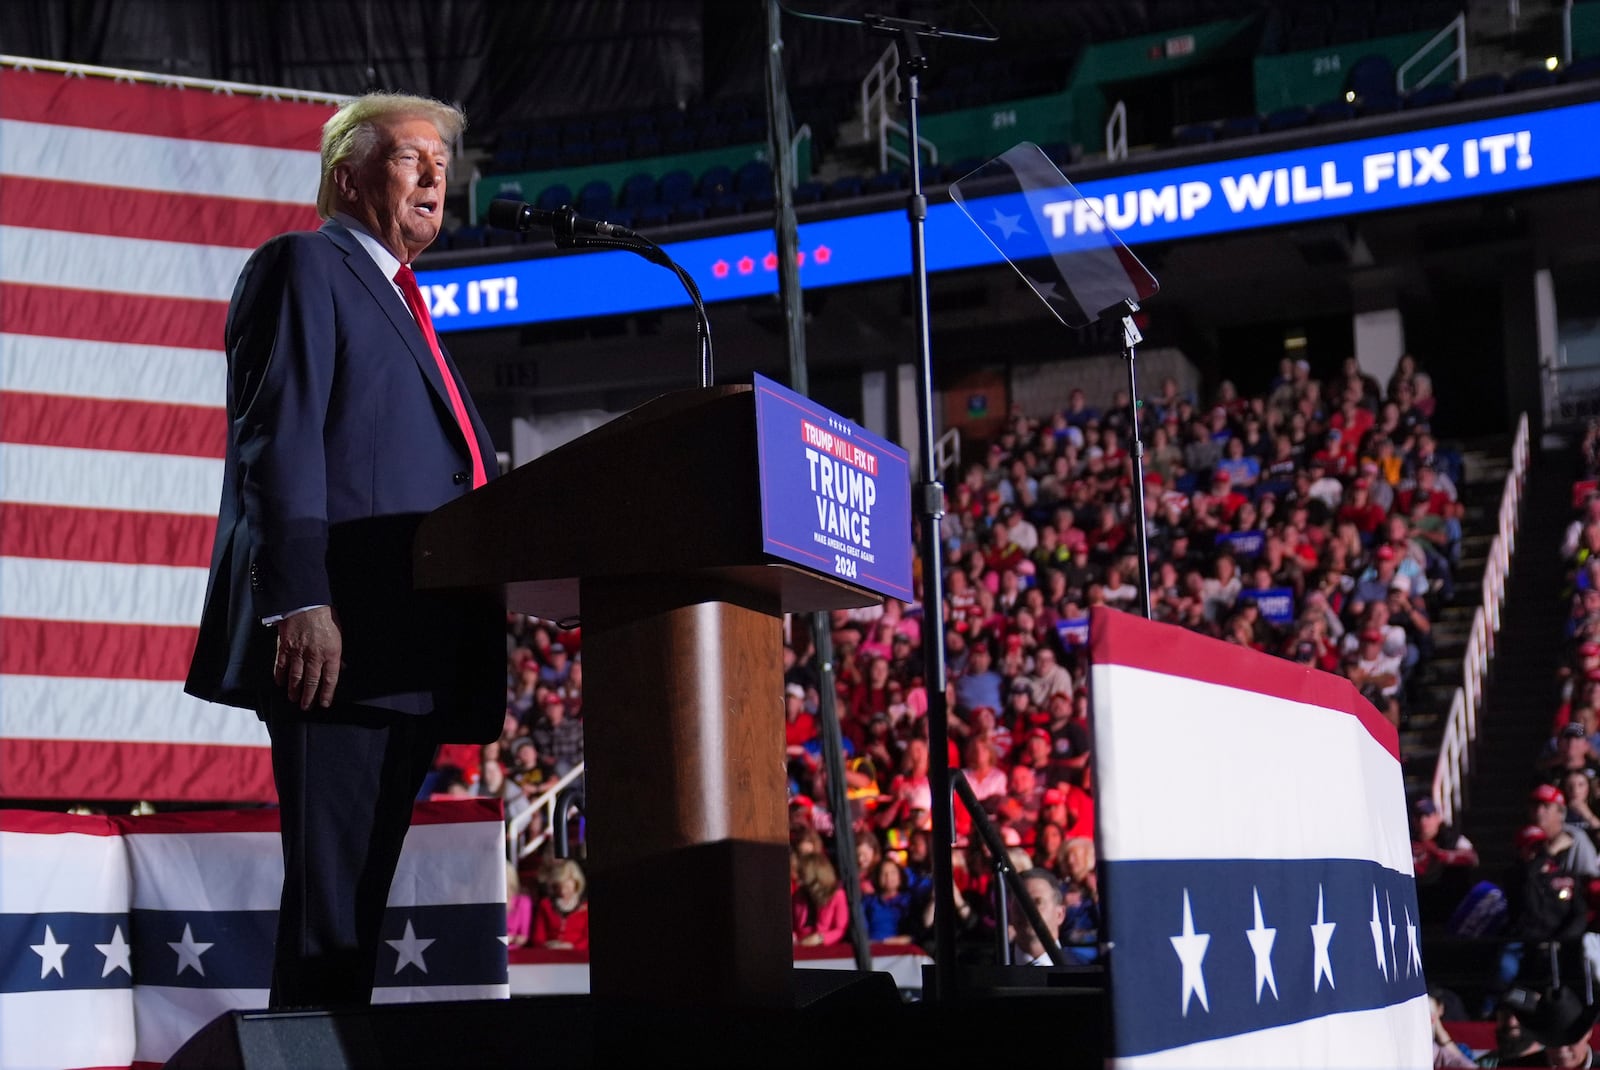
pixel 637 190
pixel 714 182
pixel 552 197
pixel 576 154
pixel 1239 126
pixel 651 215
pixel 1484 85
pixel 1431 96
pixel 505 159
pixel 594 199
pixel 843 188
pixel 468 238
pixel 645 144
pixel 724 205
pixel 1370 76
pixel 1333 111
pixel 808 192
pixel 540 158
pixel 1286 119
pixel 688 211
pixel 886 182
pixel 748 130
pixel 760 202
pixel 713 136
pixel 1531 78
pixel 676 187
pixel 1379 104
pixel 753 178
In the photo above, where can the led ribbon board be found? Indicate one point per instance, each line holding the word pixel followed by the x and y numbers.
pixel 1413 168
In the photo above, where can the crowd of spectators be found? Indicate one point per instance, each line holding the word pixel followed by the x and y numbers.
pixel 1317 520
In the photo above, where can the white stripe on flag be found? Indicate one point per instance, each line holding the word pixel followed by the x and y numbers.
pixel 145 161
pixel 41 588
pixel 110 479
pixel 446 864
pixel 66 872
pixel 131 711
pixel 65 367
pixel 440 993
pixel 165 1018
pixel 550 979
pixel 203 871
pixel 1176 732
pixel 75 1027
pixel 1381 1039
pixel 119 265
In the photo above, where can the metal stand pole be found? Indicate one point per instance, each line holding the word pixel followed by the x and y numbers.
pixel 1130 338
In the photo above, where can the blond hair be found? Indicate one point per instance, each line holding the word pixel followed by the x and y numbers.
pixel 351 134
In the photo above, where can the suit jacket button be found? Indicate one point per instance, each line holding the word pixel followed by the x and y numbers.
pixel 459 478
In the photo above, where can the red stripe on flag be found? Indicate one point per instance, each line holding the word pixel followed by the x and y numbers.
pixel 116 769
pixel 105 424
pixel 199 821
pixel 66 534
pixel 151 215
pixel 81 649
pixel 1118 638
pixel 141 108
pixel 45 823
pixel 94 316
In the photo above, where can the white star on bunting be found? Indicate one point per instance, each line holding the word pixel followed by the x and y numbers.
pixel 118 954
pixel 1321 937
pixel 410 949
pixel 189 952
pixel 1261 939
pixel 1191 949
pixel 1377 936
pixel 52 956
pixel 1388 905
pixel 1414 959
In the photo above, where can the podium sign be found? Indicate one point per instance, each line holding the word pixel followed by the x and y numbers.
pixel 834 496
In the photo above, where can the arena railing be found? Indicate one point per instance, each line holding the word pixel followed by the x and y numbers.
pixel 1461 725
pixel 519 843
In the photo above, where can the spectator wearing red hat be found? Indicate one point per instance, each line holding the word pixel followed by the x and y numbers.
pixel 1376 673
pixel 1071 808
pixel 1546 891
pixel 1572 851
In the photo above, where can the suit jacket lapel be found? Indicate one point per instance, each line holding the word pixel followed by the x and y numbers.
pixel 382 290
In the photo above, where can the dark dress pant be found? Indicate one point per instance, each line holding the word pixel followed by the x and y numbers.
pixel 347 778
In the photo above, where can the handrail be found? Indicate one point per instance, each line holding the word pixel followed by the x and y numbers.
pixel 947 451
pixel 874 87
pixel 801 136
pixel 1457 27
pixel 175 81
pixel 517 827
pixel 887 152
pixel 1461 723
pixel 1117 132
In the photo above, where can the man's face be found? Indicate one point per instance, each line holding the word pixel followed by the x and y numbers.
pixel 1569 1055
pixel 1047 902
pixel 399 193
pixel 1549 816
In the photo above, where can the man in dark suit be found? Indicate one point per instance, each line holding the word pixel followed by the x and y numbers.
pixel 347 424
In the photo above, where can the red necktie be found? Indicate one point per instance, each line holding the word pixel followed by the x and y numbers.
pixel 407 281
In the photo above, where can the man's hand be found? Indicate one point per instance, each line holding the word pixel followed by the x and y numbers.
pixel 310 647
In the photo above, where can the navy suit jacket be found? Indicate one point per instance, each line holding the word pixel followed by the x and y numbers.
pixel 341 439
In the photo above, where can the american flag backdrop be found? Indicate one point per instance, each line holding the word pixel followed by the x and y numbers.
pixel 126 211
pixel 121 937
pixel 1254 860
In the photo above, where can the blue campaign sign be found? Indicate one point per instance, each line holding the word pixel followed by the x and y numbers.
pixel 1073 633
pixel 1242 543
pixel 1276 603
pixel 834 497
pixel 1404 170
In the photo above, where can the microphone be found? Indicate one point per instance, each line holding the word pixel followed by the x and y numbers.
pixel 563 222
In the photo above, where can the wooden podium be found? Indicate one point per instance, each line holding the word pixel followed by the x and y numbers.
pixel 650 529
